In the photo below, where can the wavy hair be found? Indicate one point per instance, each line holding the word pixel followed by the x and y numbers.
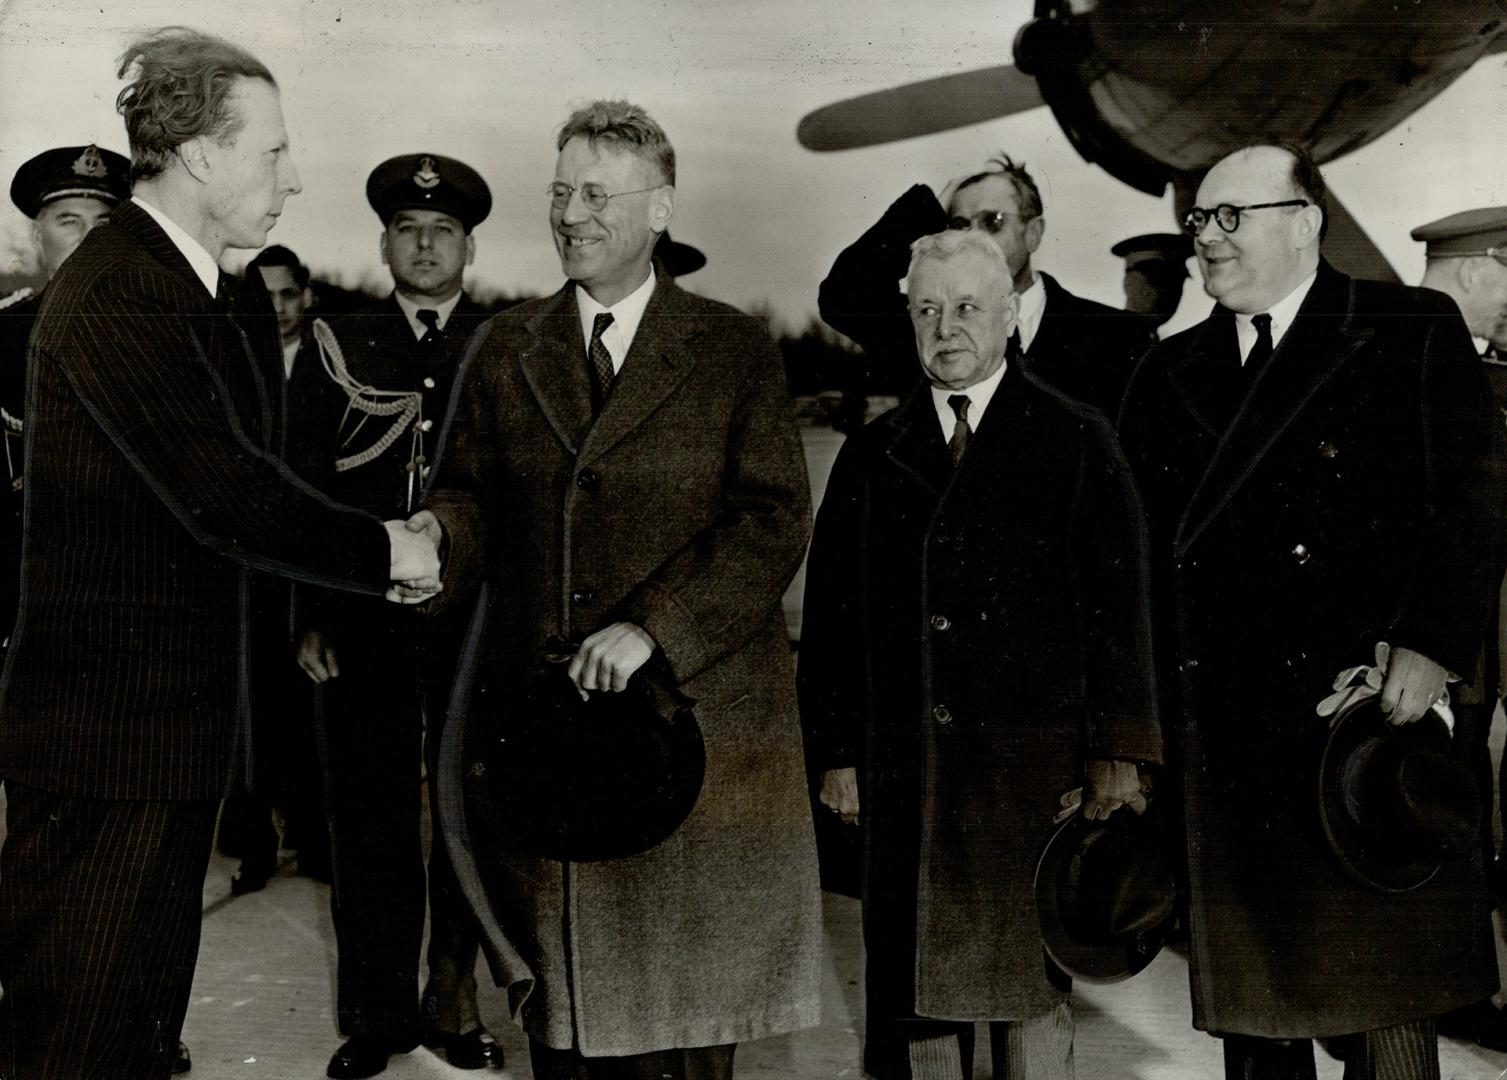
pixel 625 125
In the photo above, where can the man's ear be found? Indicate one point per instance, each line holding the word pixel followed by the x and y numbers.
pixel 470 249
pixel 661 208
pixel 1307 224
pixel 195 157
pixel 1012 309
pixel 1035 229
pixel 382 246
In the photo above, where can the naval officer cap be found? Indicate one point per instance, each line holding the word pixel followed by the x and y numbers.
pixel 1470 232
pixel 429 182
pixel 1171 249
pixel 71 171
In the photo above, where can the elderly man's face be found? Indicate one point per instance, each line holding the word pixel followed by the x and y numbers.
pixel 1488 318
pixel 1018 237
pixel 963 311
pixel 609 250
pixel 1263 260
pixel 61 226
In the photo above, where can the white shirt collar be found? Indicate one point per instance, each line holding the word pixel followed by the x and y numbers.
pixel 979 396
pixel 290 353
pixel 1283 312
pixel 627 313
pixel 411 309
pixel 1033 304
pixel 199 259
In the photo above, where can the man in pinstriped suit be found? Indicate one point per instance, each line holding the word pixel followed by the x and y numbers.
pixel 150 494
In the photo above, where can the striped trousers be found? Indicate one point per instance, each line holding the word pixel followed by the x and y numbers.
pixel 1040 1048
pixel 1403 1052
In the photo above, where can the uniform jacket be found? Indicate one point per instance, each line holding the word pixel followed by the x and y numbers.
pixel 683 508
pixel 1083 348
pixel 970 636
pixel 150 492
pixel 1355 496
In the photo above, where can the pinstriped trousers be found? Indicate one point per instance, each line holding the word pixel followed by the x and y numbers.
pixel 100 909
pixel 1402 1052
pixel 1040 1048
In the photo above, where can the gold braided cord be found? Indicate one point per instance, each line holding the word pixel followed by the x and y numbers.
pixel 404 405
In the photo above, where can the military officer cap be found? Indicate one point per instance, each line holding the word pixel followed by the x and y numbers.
pixel 70 171
pixel 1470 232
pixel 1170 249
pixel 429 182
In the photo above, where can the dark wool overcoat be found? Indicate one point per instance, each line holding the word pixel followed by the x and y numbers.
pixel 1353 494
pixel 683 507
pixel 970 636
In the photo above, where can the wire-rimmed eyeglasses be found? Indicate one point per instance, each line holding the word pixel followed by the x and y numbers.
pixel 991 221
pixel 1227 217
pixel 593 195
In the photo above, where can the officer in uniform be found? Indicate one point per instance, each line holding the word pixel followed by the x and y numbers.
pixel 384 671
pixel 1156 265
pixel 1467 260
pixel 66 192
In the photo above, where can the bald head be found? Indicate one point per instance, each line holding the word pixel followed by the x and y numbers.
pixel 1272 249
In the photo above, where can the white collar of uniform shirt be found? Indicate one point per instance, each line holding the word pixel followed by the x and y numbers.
pixel 627 313
pixel 412 308
pixel 199 260
pixel 1033 304
pixel 979 396
pixel 1283 312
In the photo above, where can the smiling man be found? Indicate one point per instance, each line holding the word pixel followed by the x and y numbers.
pixel 623 469
pixel 383 673
pixel 151 492
pixel 1323 471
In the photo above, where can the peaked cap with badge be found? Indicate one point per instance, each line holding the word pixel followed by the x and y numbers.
pixel 1470 232
pixel 429 182
pixel 68 171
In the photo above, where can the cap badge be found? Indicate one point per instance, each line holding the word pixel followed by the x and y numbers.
pixel 427 176
pixel 90 163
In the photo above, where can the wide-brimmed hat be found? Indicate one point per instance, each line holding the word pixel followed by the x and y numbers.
pixel 678 259
pixel 1105 894
pixel 1395 802
pixel 604 778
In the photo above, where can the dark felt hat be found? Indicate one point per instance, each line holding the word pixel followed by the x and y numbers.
pixel 1395 802
pixel 429 182
pixel 1105 894
pixel 1167 252
pixel 604 778
pixel 678 259
pixel 69 171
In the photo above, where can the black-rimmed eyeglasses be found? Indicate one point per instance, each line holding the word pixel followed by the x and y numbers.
pixel 593 195
pixel 991 221
pixel 1227 217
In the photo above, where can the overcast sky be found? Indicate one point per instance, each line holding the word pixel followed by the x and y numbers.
pixel 488 81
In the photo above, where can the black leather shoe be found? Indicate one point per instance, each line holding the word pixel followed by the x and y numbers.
pixel 182 1063
pixel 364 1055
pixel 473 1050
pixel 1482 1023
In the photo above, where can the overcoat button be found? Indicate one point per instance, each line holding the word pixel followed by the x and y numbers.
pixel 1301 554
pixel 582 596
pixel 1189 664
pixel 940 622
pixel 942 714
pixel 587 480
pixel 428 383
pixel 427 425
pixel 1328 449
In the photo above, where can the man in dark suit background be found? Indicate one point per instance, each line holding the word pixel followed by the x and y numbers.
pixel 1083 348
pixel 385 674
pixel 976 641
pixel 1323 472
pixel 150 493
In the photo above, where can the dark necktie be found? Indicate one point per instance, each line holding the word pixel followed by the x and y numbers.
pixel 225 293
pixel 601 359
pixel 431 320
pixel 959 441
pixel 1260 352
pixel 1013 351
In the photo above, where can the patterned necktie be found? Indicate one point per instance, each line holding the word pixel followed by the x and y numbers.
pixel 1260 352
pixel 601 359
pixel 431 320
pixel 960 431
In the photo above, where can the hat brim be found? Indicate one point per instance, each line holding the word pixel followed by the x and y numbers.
pixel 1092 961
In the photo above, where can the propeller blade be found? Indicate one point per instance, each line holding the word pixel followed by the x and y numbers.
pixel 1349 248
pixel 920 108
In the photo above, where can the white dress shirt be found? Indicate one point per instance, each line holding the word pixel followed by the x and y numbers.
pixel 200 260
pixel 1033 304
pixel 979 396
pixel 411 309
pixel 627 313
pixel 1283 312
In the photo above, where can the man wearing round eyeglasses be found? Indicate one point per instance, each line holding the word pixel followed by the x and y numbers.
pixel 1085 349
pixel 624 472
pixel 1322 472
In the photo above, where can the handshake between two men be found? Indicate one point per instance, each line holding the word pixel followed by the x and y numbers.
pixel 415 558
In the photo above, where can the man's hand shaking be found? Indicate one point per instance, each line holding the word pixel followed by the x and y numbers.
pixel 415 565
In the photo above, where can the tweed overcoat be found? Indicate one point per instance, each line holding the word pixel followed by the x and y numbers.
pixel 970 637
pixel 683 507
pixel 1353 494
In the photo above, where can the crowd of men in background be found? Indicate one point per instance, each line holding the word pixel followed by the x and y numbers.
pixel 1118 602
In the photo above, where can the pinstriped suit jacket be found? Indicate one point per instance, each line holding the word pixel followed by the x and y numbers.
pixel 149 495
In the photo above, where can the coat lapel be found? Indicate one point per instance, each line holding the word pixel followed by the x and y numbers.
pixel 917 447
pixel 1320 342
pixel 658 361
pixel 554 366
